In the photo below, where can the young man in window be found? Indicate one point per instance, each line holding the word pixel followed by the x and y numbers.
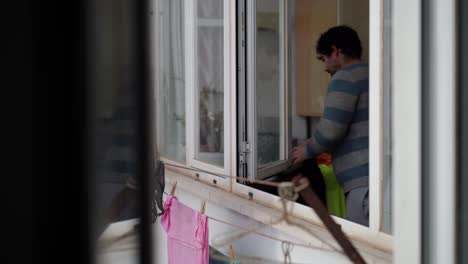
pixel 343 129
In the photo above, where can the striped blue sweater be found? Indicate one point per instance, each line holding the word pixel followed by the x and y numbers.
pixel 343 129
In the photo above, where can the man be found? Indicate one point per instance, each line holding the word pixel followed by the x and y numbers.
pixel 343 129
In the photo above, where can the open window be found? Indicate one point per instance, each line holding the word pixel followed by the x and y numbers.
pixel 282 88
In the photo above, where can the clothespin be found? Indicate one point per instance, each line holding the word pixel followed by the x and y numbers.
pixel 202 210
pixel 287 191
pixel 231 254
pixel 173 188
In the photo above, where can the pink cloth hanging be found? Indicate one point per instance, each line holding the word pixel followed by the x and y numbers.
pixel 187 233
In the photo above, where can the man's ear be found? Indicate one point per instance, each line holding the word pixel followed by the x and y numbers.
pixel 335 50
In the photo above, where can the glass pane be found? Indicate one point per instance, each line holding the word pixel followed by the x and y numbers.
pixel 210 90
pixel 268 83
pixel 171 81
pixel 210 9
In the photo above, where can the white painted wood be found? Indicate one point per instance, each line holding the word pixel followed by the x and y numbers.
pixel 442 102
pixel 406 112
pixel 375 114
pixel 203 176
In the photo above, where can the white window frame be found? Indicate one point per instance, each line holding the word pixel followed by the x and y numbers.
pixel 191 24
pixel 406 129
pixel 251 28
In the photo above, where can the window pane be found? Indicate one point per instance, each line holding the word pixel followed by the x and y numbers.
pixel 171 81
pixel 268 83
pixel 210 88
pixel 210 9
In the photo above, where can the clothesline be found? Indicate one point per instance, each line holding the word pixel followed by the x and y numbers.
pixel 288 244
pixel 248 259
pixel 270 237
pixel 238 257
pixel 252 231
pixel 249 231
pixel 267 183
pixel 274 184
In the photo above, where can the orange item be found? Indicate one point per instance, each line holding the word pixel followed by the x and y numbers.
pixel 324 158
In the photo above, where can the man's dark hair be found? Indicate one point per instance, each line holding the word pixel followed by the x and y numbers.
pixel 342 37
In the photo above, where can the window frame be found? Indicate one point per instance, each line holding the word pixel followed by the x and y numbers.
pixel 251 119
pixel 191 26
pixel 407 130
pixel 372 235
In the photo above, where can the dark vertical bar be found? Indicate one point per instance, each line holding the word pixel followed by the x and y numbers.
pixel 60 180
pixel 18 193
pixel 144 98
pixel 308 126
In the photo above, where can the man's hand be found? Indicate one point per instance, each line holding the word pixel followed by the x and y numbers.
pixel 299 153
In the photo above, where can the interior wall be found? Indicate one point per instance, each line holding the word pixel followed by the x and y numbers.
pixel 355 14
pixel 311 19
pixel 309 81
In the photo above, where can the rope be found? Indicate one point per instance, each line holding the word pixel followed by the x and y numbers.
pixel 267 183
pixel 253 231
